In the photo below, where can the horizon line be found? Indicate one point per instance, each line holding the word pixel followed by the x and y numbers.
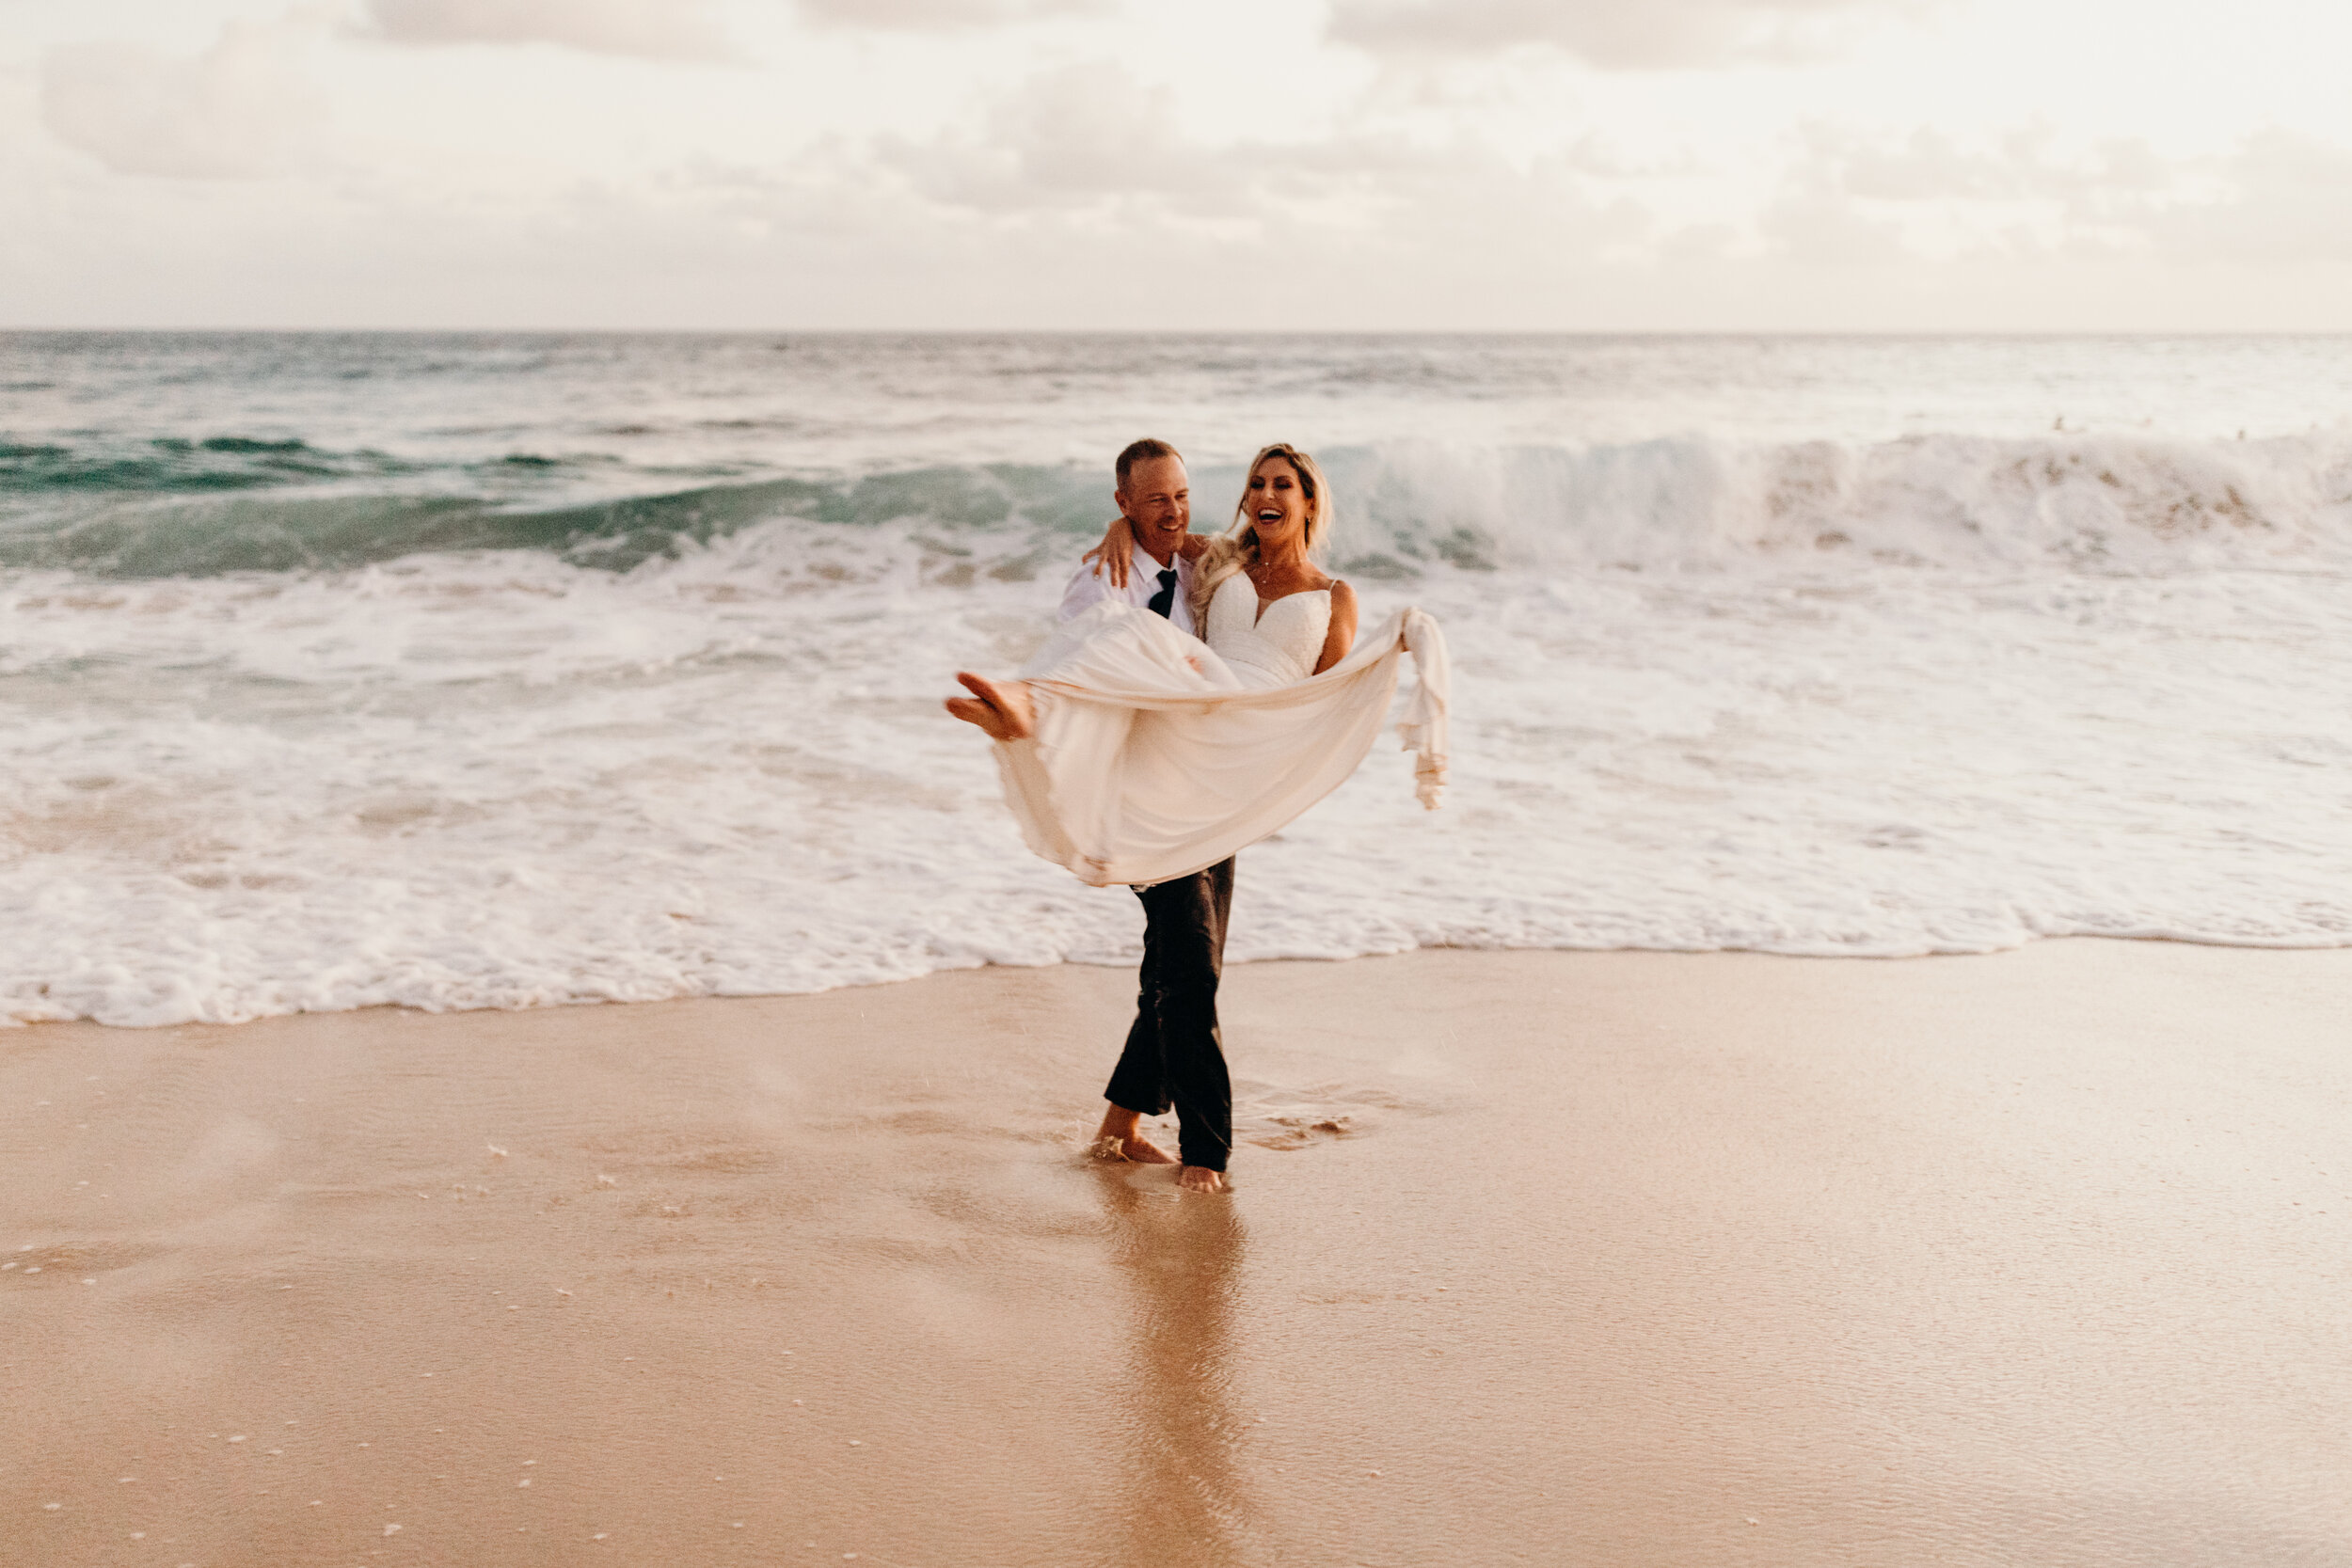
pixel 1880 333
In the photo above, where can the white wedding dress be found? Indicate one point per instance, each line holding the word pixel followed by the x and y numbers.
pixel 1157 755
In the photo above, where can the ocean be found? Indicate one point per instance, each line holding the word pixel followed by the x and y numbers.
pixel 490 671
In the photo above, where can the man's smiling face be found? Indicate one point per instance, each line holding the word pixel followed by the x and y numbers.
pixel 1156 501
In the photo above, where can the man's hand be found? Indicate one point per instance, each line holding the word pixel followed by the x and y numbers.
pixel 1111 557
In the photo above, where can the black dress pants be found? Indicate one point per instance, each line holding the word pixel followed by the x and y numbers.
pixel 1175 1054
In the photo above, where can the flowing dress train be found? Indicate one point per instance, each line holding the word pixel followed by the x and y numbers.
pixel 1156 754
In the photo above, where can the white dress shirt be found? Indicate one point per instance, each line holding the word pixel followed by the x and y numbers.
pixel 1086 590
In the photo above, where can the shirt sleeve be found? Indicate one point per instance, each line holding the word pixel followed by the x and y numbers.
pixel 1085 592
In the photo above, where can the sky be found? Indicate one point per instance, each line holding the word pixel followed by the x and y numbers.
pixel 1853 165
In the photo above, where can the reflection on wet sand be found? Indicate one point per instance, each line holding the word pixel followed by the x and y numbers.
pixel 1187 1499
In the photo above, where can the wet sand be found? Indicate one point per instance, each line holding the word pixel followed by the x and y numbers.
pixel 1595 1259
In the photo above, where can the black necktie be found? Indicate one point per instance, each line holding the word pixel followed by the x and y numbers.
pixel 1164 600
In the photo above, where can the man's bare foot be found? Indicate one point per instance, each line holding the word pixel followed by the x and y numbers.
pixel 1002 710
pixel 1200 1178
pixel 1118 1138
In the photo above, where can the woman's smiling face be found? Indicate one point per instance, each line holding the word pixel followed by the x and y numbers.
pixel 1276 503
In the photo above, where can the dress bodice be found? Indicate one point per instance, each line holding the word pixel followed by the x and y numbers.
pixel 1271 645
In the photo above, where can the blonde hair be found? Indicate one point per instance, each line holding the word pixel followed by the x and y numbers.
pixel 1236 549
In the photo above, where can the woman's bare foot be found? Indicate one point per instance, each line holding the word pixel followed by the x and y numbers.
pixel 1117 1140
pixel 1002 710
pixel 1200 1178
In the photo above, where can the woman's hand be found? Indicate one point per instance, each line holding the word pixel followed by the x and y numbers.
pixel 1114 553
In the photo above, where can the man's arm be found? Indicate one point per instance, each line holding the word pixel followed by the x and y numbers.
pixel 1088 587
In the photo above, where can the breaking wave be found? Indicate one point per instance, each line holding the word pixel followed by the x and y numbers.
pixel 234 504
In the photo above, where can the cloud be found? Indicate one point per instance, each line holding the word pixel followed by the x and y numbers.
pixel 1088 163
pixel 662 29
pixel 1628 35
pixel 1092 138
pixel 1851 198
pixel 1072 137
pixel 2019 165
pixel 241 108
pixel 2278 197
pixel 938 15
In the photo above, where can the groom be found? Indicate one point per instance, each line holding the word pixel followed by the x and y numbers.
pixel 1175 1054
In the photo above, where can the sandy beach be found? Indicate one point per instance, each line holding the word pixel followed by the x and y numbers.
pixel 1532 1258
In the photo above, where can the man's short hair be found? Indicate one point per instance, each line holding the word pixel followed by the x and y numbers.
pixel 1143 451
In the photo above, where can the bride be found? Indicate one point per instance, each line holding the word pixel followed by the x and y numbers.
pixel 1134 753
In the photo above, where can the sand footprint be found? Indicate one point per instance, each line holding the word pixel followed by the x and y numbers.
pixel 1297 1132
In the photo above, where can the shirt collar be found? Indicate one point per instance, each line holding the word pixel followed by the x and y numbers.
pixel 1142 560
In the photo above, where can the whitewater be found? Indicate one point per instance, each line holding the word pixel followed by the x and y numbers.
pixel 483 671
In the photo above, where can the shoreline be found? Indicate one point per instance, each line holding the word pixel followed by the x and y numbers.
pixel 1614 1257
pixel 1125 963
